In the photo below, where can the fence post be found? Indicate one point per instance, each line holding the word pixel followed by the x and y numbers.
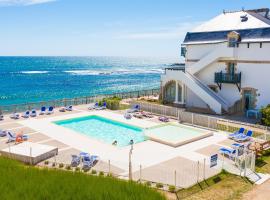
pixel 208 122
pixel 31 156
pixel 109 167
pixel 198 171
pixel 192 118
pixel 204 168
pixel 140 173
pixel 175 178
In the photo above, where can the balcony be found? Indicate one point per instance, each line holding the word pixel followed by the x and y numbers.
pixel 228 78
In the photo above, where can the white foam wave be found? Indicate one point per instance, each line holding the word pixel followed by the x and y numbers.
pixel 116 72
pixel 34 72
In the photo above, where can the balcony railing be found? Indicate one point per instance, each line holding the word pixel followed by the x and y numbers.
pixel 221 77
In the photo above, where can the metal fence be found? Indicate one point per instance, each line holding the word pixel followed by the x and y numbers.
pixel 74 101
pixel 207 121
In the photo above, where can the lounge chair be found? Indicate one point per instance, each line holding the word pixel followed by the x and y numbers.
pixel 93 106
pixel 138 115
pixel 26 114
pixel 135 108
pixel 127 116
pixel 87 163
pixel 12 137
pixel 3 133
pixel 237 133
pixel 244 137
pixel 163 119
pixel 15 115
pixel 76 160
pixel 103 107
pixel 148 115
pixel 69 108
pixel 62 109
pixel 50 110
pixel 231 153
pixel 33 113
pixel 1 117
pixel 43 110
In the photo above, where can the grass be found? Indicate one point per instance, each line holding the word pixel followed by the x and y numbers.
pixel 263 163
pixel 223 186
pixel 24 182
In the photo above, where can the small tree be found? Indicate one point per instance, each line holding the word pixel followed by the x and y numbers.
pixel 266 115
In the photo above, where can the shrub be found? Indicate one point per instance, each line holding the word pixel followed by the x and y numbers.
pixel 113 103
pixel 172 188
pixel 46 162
pixel 53 165
pixel 93 172
pixel 68 167
pixel 101 173
pixel 266 115
pixel 148 183
pixel 77 169
pixel 159 185
pixel 61 165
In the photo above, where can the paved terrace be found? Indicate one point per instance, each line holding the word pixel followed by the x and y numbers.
pixel 158 162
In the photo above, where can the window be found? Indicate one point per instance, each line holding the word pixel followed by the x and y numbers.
pixel 260 44
pixel 183 51
pixel 248 45
pixel 233 39
pixel 231 68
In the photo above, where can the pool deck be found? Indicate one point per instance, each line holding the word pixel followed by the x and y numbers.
pixel 148 154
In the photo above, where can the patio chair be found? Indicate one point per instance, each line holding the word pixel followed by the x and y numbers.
pixel 50 110
pixel 231 153
pixel 33 113
pixel 163 119
pixel 127 115
pixel 135 108
pixel 244 137
pixel 237 133
pixel 76 160
pixel 15 115
pixel 42 110
pixel 69 108
pixel 3 133
pixel 93 106
pixel 26 114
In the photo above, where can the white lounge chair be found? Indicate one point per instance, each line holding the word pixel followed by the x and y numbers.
pixel 15 115
pixel 26 114
pixel 33 113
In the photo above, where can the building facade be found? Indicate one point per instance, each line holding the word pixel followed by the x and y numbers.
pixel 227 65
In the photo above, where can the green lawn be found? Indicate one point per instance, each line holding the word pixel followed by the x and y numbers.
pixel 224 186
pixel 23 182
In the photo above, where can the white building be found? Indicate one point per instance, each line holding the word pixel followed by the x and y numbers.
pixel 227 65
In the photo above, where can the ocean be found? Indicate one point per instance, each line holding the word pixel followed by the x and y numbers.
pixel 33 79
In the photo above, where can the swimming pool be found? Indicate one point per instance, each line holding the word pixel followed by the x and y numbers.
pixel 104 129
pixel 176 135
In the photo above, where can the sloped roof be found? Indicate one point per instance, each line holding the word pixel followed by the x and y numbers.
pixel 256 34
pixel 232 21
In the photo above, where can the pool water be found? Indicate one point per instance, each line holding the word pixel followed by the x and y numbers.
pixel 105 130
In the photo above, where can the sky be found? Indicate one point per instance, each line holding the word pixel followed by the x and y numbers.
pixel 148 28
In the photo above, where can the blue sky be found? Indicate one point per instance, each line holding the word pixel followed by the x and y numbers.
pixel 153 28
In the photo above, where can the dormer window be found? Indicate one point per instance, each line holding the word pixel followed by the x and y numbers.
pixel 233 39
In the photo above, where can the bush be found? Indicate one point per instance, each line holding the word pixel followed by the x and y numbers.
pixel 46 162
pixel 113 103
pixel 53 165
pixel 61 165
pixel 68 167
pixel 77 169
pixel 148 183
pixel 159 185
pixel 101 173
pixel 93 172
pixel 172 188
pixel 266 115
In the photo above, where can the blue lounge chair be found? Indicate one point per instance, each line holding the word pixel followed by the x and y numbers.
pixel 15 115
pixel 26 114
pixel 33 113
pixel 43 110
pixel 93 106
pixel 76 160
pixel 103 107
pixel 135 108
pixel 87 163
pixel 50 110
pixel 237 133
pixel 231 153
pixel 244 137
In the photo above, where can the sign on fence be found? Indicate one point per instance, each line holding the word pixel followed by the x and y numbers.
pixel 213 160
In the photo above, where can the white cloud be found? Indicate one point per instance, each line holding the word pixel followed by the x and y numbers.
pixel 22 2
pixel 176 32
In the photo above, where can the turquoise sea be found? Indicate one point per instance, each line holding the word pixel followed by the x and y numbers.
pixel 32 79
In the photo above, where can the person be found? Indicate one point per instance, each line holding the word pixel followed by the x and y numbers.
pixel 114 143
pixel 131 142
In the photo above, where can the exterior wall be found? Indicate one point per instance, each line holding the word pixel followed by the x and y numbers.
pixel 192 100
